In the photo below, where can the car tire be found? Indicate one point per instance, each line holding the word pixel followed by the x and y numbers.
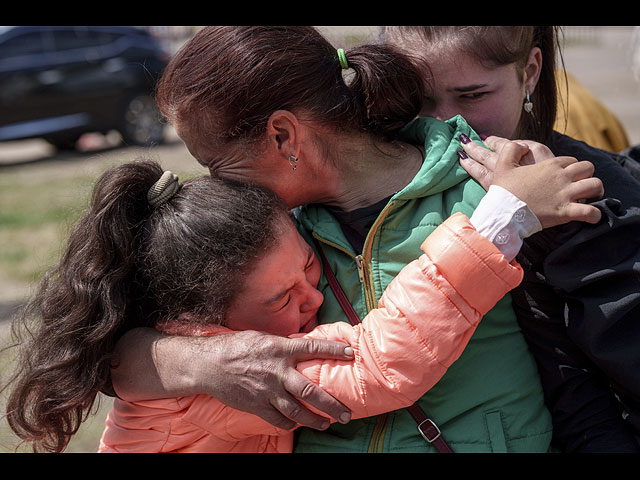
pixel 141 122
pixel 63 141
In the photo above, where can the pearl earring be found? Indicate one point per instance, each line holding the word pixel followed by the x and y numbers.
pixel 528 105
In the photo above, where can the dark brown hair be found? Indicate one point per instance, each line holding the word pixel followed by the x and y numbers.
pixel 497 46
pixel 126 265
pixel 223 85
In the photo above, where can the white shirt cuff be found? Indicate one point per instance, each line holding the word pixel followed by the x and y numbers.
pixel 505 220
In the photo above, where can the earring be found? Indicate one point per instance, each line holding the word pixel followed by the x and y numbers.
pixel 293 161
pixel 528 105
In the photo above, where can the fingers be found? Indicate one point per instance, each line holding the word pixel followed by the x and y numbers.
pixel 301 388
pixel 510 155
pixel 583 213
pixel 478 171
pixel 306 349
pixel 587 189
pixel 578 170
pixel 495 143
pixel 277 419
pixel 478 153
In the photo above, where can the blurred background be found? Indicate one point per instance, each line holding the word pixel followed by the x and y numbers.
pixel 74 102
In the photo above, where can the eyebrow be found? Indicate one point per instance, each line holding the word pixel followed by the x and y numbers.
pixel 283 292
pixel 469 88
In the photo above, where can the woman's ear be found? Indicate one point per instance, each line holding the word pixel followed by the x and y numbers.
pixel 532 69
pixel 283 133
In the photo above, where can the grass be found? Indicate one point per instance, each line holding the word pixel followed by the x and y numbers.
pixel 38 206
pixel 33 220
pixel 39 203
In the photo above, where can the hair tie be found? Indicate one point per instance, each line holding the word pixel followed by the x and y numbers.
pixel 165 188
pixel 343 59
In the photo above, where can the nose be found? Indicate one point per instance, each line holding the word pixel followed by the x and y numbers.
pixel 313 300
pixel 439 108
pixel 439 113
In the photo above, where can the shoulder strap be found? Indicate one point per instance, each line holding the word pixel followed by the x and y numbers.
pixel 427 427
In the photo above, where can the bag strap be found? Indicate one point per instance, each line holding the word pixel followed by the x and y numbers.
pixel 427 427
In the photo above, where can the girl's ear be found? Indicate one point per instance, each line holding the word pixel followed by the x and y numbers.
pixel 532 69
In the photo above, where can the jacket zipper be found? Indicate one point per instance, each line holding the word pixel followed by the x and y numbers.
pixel 363 264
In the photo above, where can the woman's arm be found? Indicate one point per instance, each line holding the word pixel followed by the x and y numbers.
pixel 249 371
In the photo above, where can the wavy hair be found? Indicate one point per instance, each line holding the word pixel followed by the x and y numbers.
pixel 127 264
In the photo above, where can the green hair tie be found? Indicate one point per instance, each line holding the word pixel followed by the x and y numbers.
pixel 343 59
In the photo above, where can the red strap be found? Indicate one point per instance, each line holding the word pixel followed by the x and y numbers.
pixel 353 317
pixel 427 427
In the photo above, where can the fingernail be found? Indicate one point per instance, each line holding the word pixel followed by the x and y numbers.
pixel 462 155
pixel 348 351
pixel 464 139
pixel 483 136
pixel 345 417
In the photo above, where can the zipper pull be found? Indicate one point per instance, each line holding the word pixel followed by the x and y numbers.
pixel 360 265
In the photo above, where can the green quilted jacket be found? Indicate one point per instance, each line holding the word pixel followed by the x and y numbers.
pixel 491 399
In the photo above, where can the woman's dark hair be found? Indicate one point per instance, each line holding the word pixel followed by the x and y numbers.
pixel 224 84
pixel 496 46
pixel 126 265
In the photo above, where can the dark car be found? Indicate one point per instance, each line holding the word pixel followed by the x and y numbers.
pixel 60 82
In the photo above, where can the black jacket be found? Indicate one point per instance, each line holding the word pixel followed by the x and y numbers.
pixel 579 308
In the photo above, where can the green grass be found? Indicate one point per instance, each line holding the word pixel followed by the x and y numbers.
pixel 34 218
pixel 36 213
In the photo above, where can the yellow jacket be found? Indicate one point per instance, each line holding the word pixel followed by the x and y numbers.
pixel 583 117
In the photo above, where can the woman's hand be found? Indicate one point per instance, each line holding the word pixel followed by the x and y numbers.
pixel 554 188
pixel 249 371
pixel 257 374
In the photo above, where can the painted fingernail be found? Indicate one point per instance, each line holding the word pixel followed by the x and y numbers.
pixel 464 138
pixel 348 351
pixel 462 155
pixel 483 136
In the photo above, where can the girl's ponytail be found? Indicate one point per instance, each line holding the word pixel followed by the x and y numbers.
pixel 78 311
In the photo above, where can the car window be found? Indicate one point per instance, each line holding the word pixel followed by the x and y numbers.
pixel 25 44
pixel 80 37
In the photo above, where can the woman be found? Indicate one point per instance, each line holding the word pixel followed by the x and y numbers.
pixel 578 304
pixel 269 105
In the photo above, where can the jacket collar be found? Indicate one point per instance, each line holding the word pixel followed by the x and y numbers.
pixel 440 170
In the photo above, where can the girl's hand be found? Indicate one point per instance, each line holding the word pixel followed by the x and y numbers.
pixel 481 162
pixel 554 188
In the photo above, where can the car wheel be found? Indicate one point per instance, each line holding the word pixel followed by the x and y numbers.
pixel 141 122
pixel 63 141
